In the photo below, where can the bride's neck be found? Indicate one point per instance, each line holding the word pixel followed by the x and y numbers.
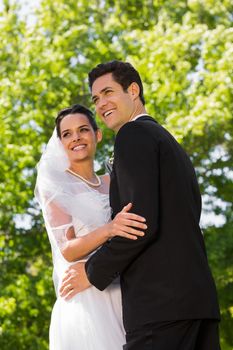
pixel 85 170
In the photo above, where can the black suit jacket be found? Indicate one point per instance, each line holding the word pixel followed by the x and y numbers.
pixel 165 274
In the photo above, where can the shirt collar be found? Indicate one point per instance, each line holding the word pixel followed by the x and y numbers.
pixel 138 116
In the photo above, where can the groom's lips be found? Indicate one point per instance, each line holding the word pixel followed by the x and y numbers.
pixel 108 113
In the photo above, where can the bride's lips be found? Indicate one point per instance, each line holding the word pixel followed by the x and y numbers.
pixel 78 148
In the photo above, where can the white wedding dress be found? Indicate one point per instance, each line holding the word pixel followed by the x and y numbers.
pixel 91 320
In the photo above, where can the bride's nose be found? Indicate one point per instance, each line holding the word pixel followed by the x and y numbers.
pixel 76 136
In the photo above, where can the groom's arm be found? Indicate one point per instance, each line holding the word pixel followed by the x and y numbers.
pixel 137 176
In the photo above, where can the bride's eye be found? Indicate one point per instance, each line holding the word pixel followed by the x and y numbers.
pixel 84 129
pixel 65 134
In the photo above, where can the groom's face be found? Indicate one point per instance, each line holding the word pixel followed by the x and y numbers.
pixel 113 105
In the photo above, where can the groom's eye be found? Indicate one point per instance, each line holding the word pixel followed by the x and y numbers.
pixel 108 91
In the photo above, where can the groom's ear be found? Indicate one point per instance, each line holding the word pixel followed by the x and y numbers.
pixel 99 135
pixel 134 90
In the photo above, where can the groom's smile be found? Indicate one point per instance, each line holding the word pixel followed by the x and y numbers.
pixel 106 114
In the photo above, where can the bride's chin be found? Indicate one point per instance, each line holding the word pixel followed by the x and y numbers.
pixel 79 159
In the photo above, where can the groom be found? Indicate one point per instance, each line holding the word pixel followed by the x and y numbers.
pixel 169 296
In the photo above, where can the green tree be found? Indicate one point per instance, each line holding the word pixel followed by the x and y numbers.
pixel 183 51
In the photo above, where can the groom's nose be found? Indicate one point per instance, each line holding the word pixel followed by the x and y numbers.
pixel 102 102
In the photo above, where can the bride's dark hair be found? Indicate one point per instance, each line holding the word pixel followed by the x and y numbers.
pixel 73 110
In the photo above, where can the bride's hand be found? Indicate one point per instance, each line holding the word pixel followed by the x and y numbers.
pixel 126 224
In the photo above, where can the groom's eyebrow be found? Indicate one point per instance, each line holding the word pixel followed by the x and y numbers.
pixel 101 91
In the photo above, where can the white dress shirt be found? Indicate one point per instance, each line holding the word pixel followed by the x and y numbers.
pixel 138 116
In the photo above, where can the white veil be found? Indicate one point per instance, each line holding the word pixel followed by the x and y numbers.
pixel 50 184
pixel 66 201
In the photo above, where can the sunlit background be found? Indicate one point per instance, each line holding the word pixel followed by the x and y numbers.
pixel 184 53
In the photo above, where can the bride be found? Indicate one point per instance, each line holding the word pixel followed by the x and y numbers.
pixel 75 205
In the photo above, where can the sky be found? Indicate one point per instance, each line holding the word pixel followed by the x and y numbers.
pixel 27 7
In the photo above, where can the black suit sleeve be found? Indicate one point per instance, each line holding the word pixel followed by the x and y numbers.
pixel 137 177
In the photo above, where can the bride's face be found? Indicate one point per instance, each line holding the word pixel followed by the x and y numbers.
pixel 78 137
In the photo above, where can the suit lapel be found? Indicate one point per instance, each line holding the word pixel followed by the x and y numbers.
pixel 114 193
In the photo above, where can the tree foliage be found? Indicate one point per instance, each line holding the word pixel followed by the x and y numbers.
pixel 184 53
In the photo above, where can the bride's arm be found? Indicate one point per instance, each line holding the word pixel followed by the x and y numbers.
pixel 124 224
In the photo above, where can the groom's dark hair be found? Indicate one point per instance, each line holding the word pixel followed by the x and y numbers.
pixel 122 72
pixel 73 110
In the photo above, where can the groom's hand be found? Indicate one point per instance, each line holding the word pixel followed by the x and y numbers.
pixel 74 281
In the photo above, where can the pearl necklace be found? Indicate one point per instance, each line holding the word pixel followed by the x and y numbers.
pixel 85 180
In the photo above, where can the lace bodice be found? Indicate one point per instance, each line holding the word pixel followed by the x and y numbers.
pixel 68 201
pixel 93 211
